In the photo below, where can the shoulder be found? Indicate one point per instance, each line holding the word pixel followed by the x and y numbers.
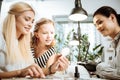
pixel 52 49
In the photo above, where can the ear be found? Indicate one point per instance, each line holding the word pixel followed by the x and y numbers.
pixel 112 17
pixel 36 34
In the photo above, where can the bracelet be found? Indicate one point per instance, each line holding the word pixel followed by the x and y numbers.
pixel 49 69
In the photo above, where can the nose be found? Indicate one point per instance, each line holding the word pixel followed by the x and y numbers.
pixel 30 24
pixel 99 27
pixel 49 35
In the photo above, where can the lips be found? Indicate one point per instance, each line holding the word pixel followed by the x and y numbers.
pixel 101 30
pixel 48 41
pixel 27 29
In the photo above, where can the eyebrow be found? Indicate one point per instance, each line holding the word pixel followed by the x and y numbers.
pixel 97 21
pixel 30 18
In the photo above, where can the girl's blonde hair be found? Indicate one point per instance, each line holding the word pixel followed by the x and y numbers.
pixel 36 29
pixel 16 49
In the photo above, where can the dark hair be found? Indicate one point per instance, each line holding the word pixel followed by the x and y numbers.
pixel 106 11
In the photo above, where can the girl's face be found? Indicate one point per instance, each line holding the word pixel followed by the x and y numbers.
pixel 46 34
pixel 24 22
pixel 106 26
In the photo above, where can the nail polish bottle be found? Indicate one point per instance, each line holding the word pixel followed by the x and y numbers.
pixel 76 74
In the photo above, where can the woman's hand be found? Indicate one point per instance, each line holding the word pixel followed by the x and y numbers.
pixel 33 71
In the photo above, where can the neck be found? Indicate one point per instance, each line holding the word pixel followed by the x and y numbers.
pixel 39 50
pixel 18 35
pixel 115 33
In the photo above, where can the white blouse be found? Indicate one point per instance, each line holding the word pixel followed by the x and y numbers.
pixel 111 70
pixel 3 65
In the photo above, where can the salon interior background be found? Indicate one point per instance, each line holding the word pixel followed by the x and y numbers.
pixel 58 10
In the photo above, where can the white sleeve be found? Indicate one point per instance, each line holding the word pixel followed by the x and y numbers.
pixel 106 71
pixel 2 43
pixel 2 52
pixel 2 60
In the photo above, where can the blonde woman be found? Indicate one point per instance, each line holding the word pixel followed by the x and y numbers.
pixel 15 56
pixel 43 48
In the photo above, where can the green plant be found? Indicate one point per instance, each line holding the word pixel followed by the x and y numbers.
pixel 97 52
pixel 84 46
pixel 85 54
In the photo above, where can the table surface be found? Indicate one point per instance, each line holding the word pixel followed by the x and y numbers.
pixel 68 75
pixel 55 77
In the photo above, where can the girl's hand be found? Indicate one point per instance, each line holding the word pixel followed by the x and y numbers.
pixel 63 63
pixel 60 64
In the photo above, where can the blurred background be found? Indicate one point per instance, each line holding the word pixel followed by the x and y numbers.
pixel 59 10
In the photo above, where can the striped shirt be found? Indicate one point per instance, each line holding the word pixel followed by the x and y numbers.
pixel 43 59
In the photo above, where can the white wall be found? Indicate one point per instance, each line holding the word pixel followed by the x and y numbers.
pixel 92 5
pixel 49 8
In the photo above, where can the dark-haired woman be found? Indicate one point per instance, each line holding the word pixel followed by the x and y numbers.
pixel 107 23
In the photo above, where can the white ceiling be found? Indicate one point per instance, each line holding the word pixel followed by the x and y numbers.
pixel 48 8
pixel 64 7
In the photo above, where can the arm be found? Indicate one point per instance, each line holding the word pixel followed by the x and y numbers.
pixel 51 63
pixel 60 64
pixel 9 74
pixel 110 75
pixel 48 70
pixel 33 71
pixel 106 71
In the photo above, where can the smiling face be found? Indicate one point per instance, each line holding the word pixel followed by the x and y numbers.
pixel 46 34
pixel 24 22
pixel 105 25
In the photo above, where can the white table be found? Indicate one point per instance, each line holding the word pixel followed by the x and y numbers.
pixel 69 75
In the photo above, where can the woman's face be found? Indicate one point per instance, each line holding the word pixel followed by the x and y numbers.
pixel 46 34
pixel 105 25
pixel 24 22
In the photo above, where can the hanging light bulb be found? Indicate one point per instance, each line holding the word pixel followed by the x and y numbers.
pixel 78 13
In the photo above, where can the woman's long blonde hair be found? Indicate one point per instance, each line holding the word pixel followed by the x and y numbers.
pixel 17 50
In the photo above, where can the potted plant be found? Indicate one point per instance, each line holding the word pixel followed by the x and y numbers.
pixel 91 62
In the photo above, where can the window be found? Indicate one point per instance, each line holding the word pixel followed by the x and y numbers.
pixel 65 29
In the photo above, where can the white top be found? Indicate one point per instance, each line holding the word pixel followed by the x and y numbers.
pixel 3 65
pixel 111 70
